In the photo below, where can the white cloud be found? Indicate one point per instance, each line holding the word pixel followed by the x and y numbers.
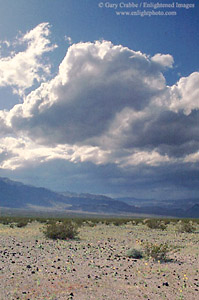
pixel 18 152
pixel 21 69
pixel 192 158
pixel 165 60
pixel 95 82
pixel 152 158
pixel 185 94
pixel 107 104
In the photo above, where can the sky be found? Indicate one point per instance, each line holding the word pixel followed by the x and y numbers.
pixel 101 96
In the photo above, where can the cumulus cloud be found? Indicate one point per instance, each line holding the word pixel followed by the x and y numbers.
pixel 185 94
pixel 16 152
pixel 164 60
pixel 21 69
pixel 107 104
pixel 95 82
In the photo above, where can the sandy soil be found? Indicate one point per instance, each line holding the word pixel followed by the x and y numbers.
pixel 95 266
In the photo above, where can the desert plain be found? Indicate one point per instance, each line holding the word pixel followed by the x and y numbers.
pixel 96 265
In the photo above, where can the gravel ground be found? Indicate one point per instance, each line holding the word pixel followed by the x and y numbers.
pixel 95 265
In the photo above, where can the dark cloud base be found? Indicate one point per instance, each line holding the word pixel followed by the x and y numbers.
pixel 178 181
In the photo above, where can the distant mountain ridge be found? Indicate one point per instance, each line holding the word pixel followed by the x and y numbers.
pixel 166 203
pixel 16 195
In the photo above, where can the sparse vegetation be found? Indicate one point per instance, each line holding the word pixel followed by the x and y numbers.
pixel 157 251
pixel 61 230
pixel 156 224
pixel 22 223
pixel 128 255
pixel 185 226
pixel 134 253
pixel 15 221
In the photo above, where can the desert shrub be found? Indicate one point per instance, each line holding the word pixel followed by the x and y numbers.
pixel 79 221
pixel 157 252
pixel 117 223
pixel 166 221
pixel 134 253
pixel 5 221
pixel 136 221
pixel 106 222
pixel 61 230
pixel 91 223
pixel 155 224
pixel 174 221
pixel 186 226
pixel 41 220
pixel 196 221
pixel 22 223
pixel 15 221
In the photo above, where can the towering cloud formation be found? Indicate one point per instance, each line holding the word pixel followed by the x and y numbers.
pixel 107 104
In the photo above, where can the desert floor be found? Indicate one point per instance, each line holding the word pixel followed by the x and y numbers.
pixel 95 265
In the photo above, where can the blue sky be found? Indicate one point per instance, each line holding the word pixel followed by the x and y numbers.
pixel 95 102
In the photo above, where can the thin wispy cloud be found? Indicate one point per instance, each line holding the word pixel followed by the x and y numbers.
pixel 21 69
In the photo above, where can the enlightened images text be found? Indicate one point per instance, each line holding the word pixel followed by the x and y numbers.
pixel 145 4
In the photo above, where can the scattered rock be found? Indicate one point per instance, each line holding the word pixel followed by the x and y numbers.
pixel 28 267
pixel 165 283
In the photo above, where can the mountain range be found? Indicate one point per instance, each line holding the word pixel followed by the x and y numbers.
pixel 16 195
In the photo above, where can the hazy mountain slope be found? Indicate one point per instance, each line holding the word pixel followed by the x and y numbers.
pixel 18 195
